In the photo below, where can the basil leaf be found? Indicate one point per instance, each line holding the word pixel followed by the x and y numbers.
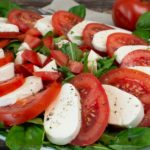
pixel 144 21
pixel 6 6
pixel 84 60
pixel 43 50
pixel 37 121
pixel 50 33
pixel 79 10
pixel 125 147
pixel 72 50
pixel 25 137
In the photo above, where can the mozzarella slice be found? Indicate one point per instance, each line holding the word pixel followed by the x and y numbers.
pixel 19 59
pixel 44 25
pixel 144 69
pixel 62 121
pixel 2 55
pixel 51 66
pixel 7 27
pixel 61 43
pixel 121 52
pixel 100 38
pixel 7 72
pixel 31 86
pixel 24 46
pixel 42 57
pixel 75 34
pixel 126 110
pixel 3 20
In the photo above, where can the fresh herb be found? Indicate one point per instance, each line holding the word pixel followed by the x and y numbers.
pixel 84 60
pixel 72 50
pixel 37 121
pixel 59 39
pixel 43 50
pixel 6 6
pixel 50 33
pixel 104 65
pixel 25 137
pixel 143 27
pixel 79 10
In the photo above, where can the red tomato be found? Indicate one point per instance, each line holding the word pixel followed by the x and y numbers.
pixel 32 57
pixel 126 12
pixel 116 40
pixel 24 19
pixel 8 58
pixel 32 41
pixel 75 67
pixel 95 109
pixel 4 43
pixel 48 42
pixel 136 58
pixel 11 85
pixel 30 107
pixel 9 35
pixel 48 76
pixel 61 58
pixel 34 32
pixel 63 21
pixel 90 30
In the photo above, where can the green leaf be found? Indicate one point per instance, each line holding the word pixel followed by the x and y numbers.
pixel 37 121
pixel 59 39
pixel 72 50
pixel 43 50
pixel 50 33
pixel 79 10
pixel 25 137
pixel 84 60
pixel 6 6
pixel 144 34
pixel 2 126
pixel 144 21
pixel 125 147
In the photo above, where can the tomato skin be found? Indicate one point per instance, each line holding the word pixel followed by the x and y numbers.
pixel 11 85
pixel 136 58
pixel 63 21
pixel 48 42
pixel 9 35
pixel 4 42
pixel 126 12
pixel 116 40
pixel 95 109
pixel 90 30
pixel 30 107
pixel 8 58
pixel 33 32
pixel 24 19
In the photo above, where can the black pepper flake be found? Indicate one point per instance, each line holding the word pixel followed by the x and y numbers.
pixel 47 119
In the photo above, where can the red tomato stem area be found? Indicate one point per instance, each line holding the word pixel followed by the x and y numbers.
pixel 30 107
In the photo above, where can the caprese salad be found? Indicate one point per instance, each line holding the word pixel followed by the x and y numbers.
pixel 67 83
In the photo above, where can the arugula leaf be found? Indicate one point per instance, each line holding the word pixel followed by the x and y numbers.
pixel 25 137
pixel 79 10
pixel 59 39
pixel 50 33
pixel 104 65
pixel 144 22
pixel 6 6
pixel 43 50
pixel 72 50
pixel 84 60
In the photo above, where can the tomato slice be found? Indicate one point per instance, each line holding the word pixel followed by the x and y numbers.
pixel 116 40
pixel 90 30
pixel 11 85
pixel 9 35
pixel 32 57
pixel 32 41
pixel 30 107
pixel 8 58
pixel 34 32
pixel 4 42
pixel 95 109
pixel 24 19
pixel 48 42
pixel 132 81
pixel 63 21
pixel 60 57
pixel 136 58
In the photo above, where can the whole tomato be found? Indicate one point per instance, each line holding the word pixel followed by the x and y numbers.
pixel 126 12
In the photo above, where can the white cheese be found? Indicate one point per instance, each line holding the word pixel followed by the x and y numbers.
pixel 62 121
pixel 7 72
pixel 19 59
pixel 2 55
pixel 7 27
pixel 42 58
pixel 121 52
pixel 31 86
pixel 126 110
pixel 3 20
pixel 24 46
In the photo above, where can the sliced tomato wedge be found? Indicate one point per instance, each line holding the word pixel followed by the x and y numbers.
pixel 48 42
pixel 29 107
pixel 116 40
pixel 24 19
pixel 8 58
pixel 4 42
pixel 11 85
pixel 90 30
pixel 95 109
pixel 136 58
pixel 9 35
pixel 34 32
pixel 32 41
pixel 63 21
pixel 32 57
pixel 61 58
pixel 48 76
